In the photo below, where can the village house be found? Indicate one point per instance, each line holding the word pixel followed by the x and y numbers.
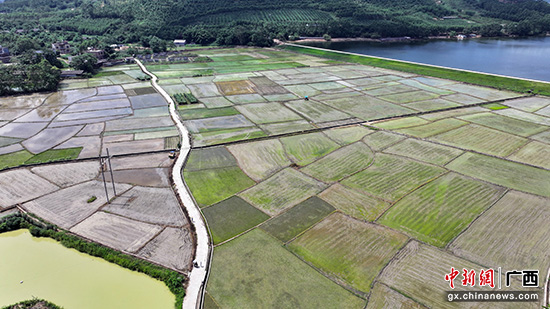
pixel 179 43
pixel 62 47
pixel 98 53
pixel 4 55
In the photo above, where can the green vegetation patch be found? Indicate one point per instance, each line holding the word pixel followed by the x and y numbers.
pixel 348 249
pixel 503 172
pixel 256 269
pixel 506 124
pixel 482 139
pixel 391 177
pixel 341 163
pixel 14 159
pixel 231 217
pixel 200 113
pixel 214 157
pixel 53 155
pixel 401 123
pixel 424 151
pixel 210 186
pixel 297 219
pixel 433 128
pixel 282 190
pixel 512 234
pixel 354 203
pixel 495 106
pixel 306 148
pixel 381 139
pixel 498 82
pixel 440 210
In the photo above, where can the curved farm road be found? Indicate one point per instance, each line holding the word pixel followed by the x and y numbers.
pixel 198 275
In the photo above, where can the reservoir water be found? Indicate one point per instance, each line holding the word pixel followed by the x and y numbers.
pixel 526 57
pixel 71 279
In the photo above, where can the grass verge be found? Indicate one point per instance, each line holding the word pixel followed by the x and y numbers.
pixel 33 303
pixel 498 82
pixel 172 279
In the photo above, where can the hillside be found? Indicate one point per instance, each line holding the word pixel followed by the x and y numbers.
pixel 258 21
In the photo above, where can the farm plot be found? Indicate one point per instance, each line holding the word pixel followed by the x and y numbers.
pixel 347 135
pixel 512 234
pixel 441 209
pixel 431 105
pixel 204 90
pixel 231 217
pixel 147 177
pixel 210 186
pixel 506 124
pixel 297 219
pixel 225 136
pixel 306 148
pixel 529 104
pixel 173 247
pixel 15 187
pixel 65 175
pixel 246 98
pixel 401 123
pixel 534 153
pixel 217 123
pixel 282 190
pixel 286 127
pixel 368 108
pixel 266 86
pixel 433 128
pixel 354 203
pixel 75 206
pixel 408 97
pixel 424 151
pixel 263 113
pixel 350 250
pixel 235 87
pixel 521 115
pixel 200 113
pixel 214 102
pixel 254 270
pixel 418 260
pixel 482 139
pixel 260 159
pixel 341 163
pixel 382 139
pixel 484 93
pixel 117 232
pixel 316 111
pixel 215 157
pixel 152 205
pixel 503 172
pixel 381 296
pixel 392 177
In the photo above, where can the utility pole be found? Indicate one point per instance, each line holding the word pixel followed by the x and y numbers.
pixel 101 163
pixel 111 170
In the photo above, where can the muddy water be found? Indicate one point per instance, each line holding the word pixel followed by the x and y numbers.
pixel 71 279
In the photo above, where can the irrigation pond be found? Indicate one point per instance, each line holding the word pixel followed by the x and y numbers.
pixel 43 268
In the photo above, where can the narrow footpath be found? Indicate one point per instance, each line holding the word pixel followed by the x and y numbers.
pixel 198 276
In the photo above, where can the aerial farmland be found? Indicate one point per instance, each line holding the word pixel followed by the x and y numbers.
pixel 323 183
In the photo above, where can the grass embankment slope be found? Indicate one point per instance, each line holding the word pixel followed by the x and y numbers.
pixel 499 82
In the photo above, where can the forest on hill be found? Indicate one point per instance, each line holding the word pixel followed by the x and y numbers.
pixel 257 22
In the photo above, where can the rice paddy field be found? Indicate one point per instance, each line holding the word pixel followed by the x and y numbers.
pixel 380 182
pixel 365 194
